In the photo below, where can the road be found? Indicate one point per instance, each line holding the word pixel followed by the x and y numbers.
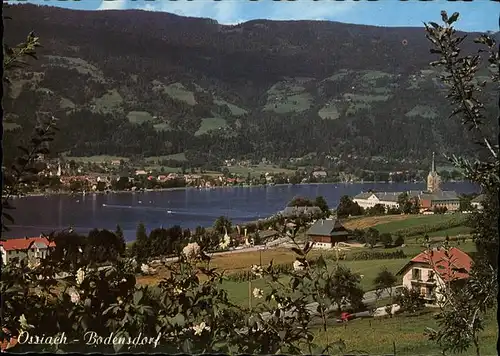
pixel 368 298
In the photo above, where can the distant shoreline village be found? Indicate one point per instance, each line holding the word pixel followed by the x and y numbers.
pixel 428 200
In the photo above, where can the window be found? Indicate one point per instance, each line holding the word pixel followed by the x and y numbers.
pixel 430 276
pixel 423 292
pixel 415 275
pixel 430 293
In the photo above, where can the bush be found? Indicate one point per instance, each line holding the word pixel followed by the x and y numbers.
pixel 410 300
pixel 386 239
pixel 399 240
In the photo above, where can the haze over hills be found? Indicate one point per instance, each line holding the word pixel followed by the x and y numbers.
pixel 132 82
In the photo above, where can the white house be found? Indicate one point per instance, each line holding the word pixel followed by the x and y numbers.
pixel 370 199
pixel 31 247
pixel 319 174
pixel 428 272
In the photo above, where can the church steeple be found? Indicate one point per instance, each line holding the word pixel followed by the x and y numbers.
pixel 433 179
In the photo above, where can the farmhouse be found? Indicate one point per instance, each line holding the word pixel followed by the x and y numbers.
pixel 30 247
pixel 439 199
pixel 429 271
pixel 428 200
pixel 295 211
pixel 326 233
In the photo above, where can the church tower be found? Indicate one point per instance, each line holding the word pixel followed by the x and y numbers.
pixel 433 179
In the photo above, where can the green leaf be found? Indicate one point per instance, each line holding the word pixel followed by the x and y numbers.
pixel 8 217
pixel 320 262
pixel 178 320
pixel 453 18
pixel 117 346
pixel 138 296
pixel 435 25
pixel 187 346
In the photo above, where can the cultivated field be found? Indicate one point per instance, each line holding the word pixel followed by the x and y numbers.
pixel 371 221
pixel 417 220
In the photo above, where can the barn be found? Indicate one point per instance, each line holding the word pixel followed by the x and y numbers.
pixel 325 233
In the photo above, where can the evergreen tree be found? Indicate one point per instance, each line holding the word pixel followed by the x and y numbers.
pixel 321 203
pixel 141 245
pixel 121 245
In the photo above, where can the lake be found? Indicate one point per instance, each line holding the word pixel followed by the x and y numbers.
pixel 187 208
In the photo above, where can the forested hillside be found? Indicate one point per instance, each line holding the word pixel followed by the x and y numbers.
pixel 146 83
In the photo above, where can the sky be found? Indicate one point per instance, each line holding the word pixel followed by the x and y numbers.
pixel 476 16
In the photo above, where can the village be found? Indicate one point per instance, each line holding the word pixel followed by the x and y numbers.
pixel 70 176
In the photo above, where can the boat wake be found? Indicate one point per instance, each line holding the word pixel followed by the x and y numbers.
pixel 181 212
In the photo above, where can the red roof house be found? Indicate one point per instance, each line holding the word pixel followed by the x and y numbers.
pixel 430 271
pixel 31 246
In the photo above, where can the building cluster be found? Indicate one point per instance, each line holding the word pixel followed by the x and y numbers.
pixel 430 199
pixel 428 273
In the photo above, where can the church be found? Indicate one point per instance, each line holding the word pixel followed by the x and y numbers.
pixel 433 197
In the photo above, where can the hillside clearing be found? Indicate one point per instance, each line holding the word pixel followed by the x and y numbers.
pixel 109 102
pixel 139 117
pixel 211 123
pixel 235 110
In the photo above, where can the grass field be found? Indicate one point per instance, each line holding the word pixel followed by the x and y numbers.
pixel 235 110
pixel 209 124
pixel 454 231
pixel 175 157
pixel 329 111
pixel 162 127
pixel 176 91
pixel 96 159
pixel 238 291
pixel 139 117
pixel 288 96
pixel 80 65
pixel 111 101
pixel 416 220
pixel 422 111
pixel 376 336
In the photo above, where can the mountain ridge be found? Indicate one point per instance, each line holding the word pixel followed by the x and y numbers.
pixel 162 84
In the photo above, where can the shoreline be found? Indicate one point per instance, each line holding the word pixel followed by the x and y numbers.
pixel 64 193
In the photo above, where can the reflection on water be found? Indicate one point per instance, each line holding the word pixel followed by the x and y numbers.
pixel 187 208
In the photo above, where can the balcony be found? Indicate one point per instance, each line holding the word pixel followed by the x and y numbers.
pixel 428 281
